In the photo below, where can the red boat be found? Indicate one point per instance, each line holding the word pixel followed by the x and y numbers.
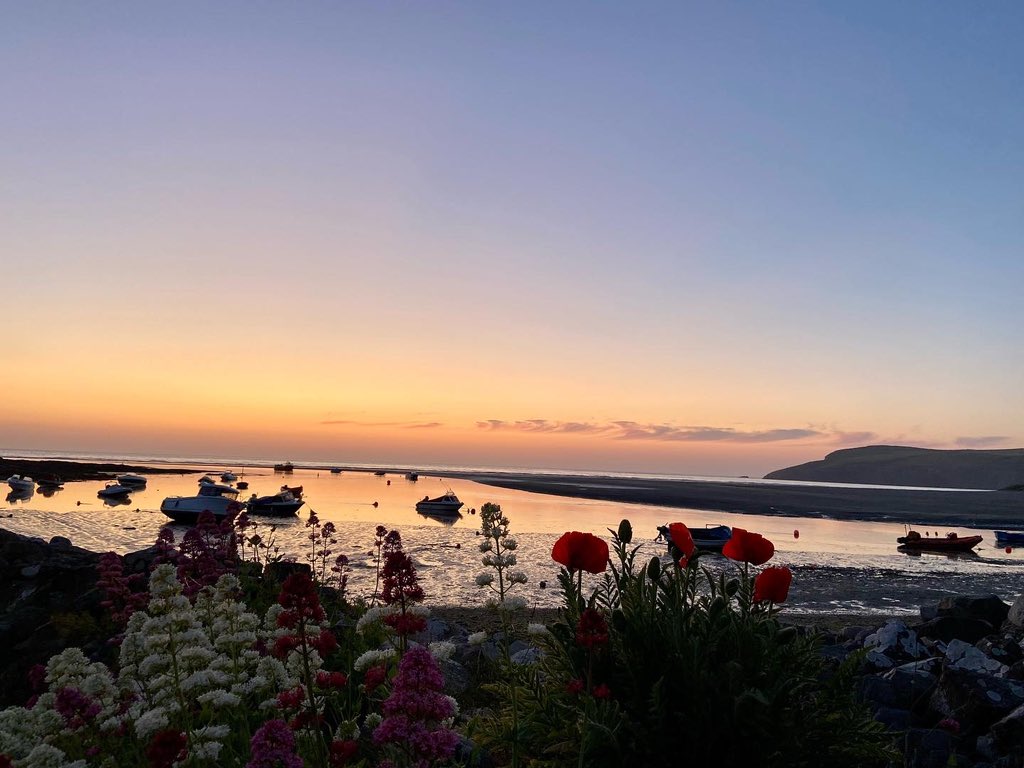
pixel 951 543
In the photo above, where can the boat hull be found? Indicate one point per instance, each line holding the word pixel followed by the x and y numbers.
pixel 187 509
pixel 925 544
pixel 274 508
pixel 439 508
pixel 114 492
pixel 1010 537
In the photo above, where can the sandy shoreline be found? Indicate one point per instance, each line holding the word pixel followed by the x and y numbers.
pixel 985 509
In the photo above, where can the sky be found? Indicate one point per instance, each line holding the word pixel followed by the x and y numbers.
pixel 696 238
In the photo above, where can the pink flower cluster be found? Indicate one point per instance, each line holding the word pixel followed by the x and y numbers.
pixel 120 595
pixel 414 711
pixel 77 709
pixel 273 746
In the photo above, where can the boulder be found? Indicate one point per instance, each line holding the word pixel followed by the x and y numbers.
pixel 927 748
pixel 1016 613
pixel 896 641
pixel 984 607
pixel 947 628
pixel 976 700
pixel 911 686
pixel 961 655
pixel 1008 733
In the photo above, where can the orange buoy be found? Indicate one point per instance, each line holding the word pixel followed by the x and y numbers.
pixel 1009 550
pixel 796 534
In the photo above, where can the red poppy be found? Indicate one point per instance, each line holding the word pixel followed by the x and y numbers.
pixel 748 547
pixel 772 584
pixel 602 691
pixel 681 539
pixel 581 552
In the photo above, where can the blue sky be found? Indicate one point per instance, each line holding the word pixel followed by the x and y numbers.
pixel 721 215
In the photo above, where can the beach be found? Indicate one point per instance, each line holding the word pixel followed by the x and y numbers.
pixel 976 509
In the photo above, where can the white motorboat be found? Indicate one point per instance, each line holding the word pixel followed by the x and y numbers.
pixel 448 504
pixel 216 489
pixel 229 477
pixel 187 509
pixel 114 490
pixel 21 483
pixel 131 480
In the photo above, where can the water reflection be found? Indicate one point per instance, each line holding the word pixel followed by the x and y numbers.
pixel 445 520
pixel 116 501
pixel 19 495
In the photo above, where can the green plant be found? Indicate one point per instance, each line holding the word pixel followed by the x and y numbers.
pixel 666 662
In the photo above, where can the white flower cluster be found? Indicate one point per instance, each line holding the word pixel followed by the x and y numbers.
pixel 498 548
pixel 441 650
pixel 172 654
pixel 374 657
pixel 477 638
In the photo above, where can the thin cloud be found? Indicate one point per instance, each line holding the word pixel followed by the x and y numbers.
pixel 632 430
pixel 400 424
pixel 854 438
pixel 981 442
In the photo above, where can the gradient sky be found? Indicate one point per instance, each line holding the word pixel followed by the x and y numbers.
pixel 713 238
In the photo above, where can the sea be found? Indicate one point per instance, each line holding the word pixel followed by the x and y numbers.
pixel 840 567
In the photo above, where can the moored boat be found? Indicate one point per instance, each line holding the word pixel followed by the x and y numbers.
pixel 283 504
pixel 229 476
pixel 448 504
pixel 113 491
pixel 285 467
pixel 414 476
pixel 1009 537
pixel 914 541
pixel 710 538
pixel 131 480
pixel 21 483
pixel 187 509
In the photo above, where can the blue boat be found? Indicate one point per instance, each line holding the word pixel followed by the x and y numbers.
pixel 1009 537
pixel 710 538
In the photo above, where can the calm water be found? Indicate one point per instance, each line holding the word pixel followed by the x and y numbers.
pixel 839 566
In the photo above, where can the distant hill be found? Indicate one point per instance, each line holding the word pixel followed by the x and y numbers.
pixel 923 467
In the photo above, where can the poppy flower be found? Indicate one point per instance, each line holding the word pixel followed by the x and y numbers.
pixel 581 552
pixel 772 584
pixel 682 540
pixel 748 547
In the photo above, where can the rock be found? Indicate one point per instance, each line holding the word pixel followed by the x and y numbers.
pixel 986 747
pixel 947 628
pixel 960 655
pixel 1016 613
pixel 911 688
pixel 984 607
pixel 60 541
pixel 30 571
pixel 927 748
pixel 976 700
pixel 1001 648
pixel 875 660
pixel 527 656
pixel 896 641
pixel 456 677
pixel 854 632
pixel 894 719
pixel 1008 733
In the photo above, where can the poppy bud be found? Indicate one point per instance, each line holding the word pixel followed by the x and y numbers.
pixel 625 532
pixel 732 586
pixel 717 605
pixel 654 569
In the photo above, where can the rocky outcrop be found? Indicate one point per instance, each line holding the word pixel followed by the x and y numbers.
pixel 952 700
pixel 47 596
pixel 921 467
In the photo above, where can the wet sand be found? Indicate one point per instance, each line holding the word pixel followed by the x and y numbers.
pixel 982 509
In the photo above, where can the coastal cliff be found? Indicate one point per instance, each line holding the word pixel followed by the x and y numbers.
pixel 921 467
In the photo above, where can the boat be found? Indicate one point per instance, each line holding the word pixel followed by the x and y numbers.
pixel 23 495
pixel 294 490
pixel 380 473
pixel 414 476
pixel 285 467
pixel 134 480
pixel 1009 537
pixel 114 490
pixel 335 470
pixel 229 476
pixel 187 509
pixel 448 504
pixel 914 541
pixel 242 485
pixel 49 481
pixel 710 538
pixel 21 483
pixel 283 504
pixel 216 489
